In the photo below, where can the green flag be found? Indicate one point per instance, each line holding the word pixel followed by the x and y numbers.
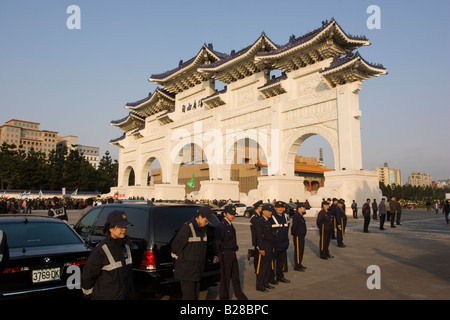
pixel 191 182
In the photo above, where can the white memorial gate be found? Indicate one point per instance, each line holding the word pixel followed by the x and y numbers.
pixel 314 93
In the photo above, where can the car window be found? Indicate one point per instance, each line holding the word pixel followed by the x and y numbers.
pixel 86 224
pixel 168 220
pixel 33 234
pixel 137 216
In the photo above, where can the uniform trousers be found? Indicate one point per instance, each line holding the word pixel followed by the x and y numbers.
pixel 325 236
pixel 230 272
pixel 299 248
pixel 264 270
pixel 280 264
pixel 190 289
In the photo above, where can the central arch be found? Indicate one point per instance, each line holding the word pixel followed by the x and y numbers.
pixel 299 136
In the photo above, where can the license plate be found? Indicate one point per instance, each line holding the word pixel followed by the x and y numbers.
pixel 44 275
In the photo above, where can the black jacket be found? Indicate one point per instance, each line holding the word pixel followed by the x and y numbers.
pixel 189 250
pixel 108 273
pixel 226 237
pixel 325 219
pixel 298 228
pixel 264 234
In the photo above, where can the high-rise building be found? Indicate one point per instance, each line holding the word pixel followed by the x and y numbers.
pixel 90 153
pixel 26 135
pixel 419 179
pixel 389 176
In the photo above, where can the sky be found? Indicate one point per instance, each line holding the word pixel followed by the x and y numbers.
pixel 76 81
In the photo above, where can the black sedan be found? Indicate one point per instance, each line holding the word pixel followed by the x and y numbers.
pixel 41 250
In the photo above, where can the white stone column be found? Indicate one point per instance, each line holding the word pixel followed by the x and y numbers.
pixel 349 130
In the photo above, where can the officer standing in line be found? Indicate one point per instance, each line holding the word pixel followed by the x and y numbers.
pixel 226 246
pixel 325 224
pixel 298 231
pixel 108 273
pixel 255 216
pixel 189 250
pixel 333 212
pixel 4 251
pixel 264 243
pixel 280 227
pixel 341 220
pixel 57 210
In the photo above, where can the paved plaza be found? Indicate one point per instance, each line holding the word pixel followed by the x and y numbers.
pixel 413 259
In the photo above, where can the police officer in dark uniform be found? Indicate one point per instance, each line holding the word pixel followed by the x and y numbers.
pixel 226 248
pixel 325 224
pixel 298 231
pixel 189 250
pixel 255 216
pixel 264 244
pixel 341 221
pixel 108 273
pixel 280 227
pixel 57 210
pixel 333 211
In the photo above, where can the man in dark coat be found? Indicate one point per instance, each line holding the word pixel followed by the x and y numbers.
pixel 298 231
pixel 189 250
pixel 366 214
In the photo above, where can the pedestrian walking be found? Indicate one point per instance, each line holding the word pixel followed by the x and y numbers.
pixel 108 273
pixel 446 210
pixel 226 248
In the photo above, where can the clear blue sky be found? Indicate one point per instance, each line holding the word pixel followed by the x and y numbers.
pixel 77 81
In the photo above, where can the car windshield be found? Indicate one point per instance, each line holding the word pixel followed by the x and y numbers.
pixel 33 234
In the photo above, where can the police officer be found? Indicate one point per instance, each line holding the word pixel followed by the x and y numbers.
pixel 280 227
pixel 333 212
pixel 255 216
pixel 264 244
pixel 226 246
pixel 189 250
pixel 57 210
pixel 341 221
pixel 324 222
pixel 4 251
pixel 108 273
pixel 298 231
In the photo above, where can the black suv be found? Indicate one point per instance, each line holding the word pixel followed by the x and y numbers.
pixel 154 227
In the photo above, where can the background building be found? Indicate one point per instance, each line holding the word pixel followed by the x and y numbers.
pixel 26 135
pixel 389 176
pixel 89 152
pixel 419 179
